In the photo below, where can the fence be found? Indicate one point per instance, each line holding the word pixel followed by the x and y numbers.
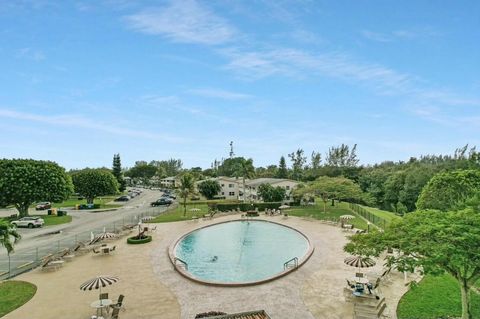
pixel 374 219
pixel 23 260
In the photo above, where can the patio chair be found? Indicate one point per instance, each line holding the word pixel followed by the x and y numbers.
pixel 113 248
pixel 115 313
pixel 119 303
pixel 95 250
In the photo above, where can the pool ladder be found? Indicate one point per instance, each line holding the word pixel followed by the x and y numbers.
pixel 291 263
pixel 183 263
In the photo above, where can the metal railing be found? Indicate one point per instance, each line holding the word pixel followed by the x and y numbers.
pixel 23 260
pixel 184 263
pixel 374 219
pixel 288 262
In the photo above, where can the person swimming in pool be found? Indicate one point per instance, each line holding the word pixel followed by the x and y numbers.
pixel 214 259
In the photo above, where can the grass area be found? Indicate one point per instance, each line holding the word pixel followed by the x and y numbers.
pixel 332 213
pixel 388 216
pixel 176 214
pixel 14 294
pixel 435 297
pixel 55 220
pixel 102 200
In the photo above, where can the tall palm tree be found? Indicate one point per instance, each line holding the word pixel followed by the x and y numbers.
pixel 187 187
pixel 7 231
pixel 246 170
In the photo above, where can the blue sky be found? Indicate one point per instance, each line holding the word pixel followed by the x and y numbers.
pixel 82 80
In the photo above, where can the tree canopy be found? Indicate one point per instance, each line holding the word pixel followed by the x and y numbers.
pixel 187 188
pixel 143 172
pixel 91 183
pixel 447 190
pixel 24 182
pixel 332 188
pixel 117 172
pixel 270 193
pixel 433 240
pixel 209 188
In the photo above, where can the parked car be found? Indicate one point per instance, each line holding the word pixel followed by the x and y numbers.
pixel 161 202
pixel 43 206
pixel 29 222
pixel 123 198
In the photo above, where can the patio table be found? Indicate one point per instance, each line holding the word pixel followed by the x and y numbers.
pixel 100 305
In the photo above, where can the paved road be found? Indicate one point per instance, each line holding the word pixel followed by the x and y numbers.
pixel 83 222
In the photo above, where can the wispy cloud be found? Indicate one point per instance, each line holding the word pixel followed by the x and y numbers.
pixel 220 94
pixel 402 34
pixel 30 54
pixel 184 21
pixel 82 122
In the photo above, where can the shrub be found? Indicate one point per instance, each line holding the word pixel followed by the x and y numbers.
pixel 244 206
pixel 135 241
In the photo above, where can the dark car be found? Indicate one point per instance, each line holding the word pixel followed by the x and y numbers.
pixel 161 202
pixel 43 206
pixel 123 198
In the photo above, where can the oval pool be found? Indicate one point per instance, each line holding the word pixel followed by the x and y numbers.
pixel 240 252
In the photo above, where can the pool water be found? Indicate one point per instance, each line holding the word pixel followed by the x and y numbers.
pixel 240 251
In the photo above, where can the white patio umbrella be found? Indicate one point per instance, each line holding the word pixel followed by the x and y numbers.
pixel 98 282
pixel 147 218
pixel 195 209
pixel 347 217
pixel 284 207
pixel 359 262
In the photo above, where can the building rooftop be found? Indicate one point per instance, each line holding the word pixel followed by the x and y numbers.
pixel 258 181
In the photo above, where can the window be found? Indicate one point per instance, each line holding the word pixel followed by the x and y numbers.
pixel 230 185
pixel 223 185
pixel 223 193
pixel 231 194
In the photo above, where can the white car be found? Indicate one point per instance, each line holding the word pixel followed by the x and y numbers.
pixel 29 222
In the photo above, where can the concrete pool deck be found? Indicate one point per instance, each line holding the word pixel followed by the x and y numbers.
pixel 153 289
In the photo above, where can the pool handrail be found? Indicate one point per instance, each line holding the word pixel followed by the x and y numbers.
pixel 294 259
pixel 182 262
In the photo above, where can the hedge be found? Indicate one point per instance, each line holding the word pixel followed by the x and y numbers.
pixel 133 241
pixel 245 206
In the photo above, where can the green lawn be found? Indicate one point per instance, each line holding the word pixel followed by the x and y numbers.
pixel 13 294
pixel 102 200
pixel 332 213
pixel 176 214
pixel 435 297
pixel 55 220
pixel 388 216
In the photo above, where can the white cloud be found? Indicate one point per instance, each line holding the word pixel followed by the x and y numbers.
pixel 30 54
pixel 376 36
pixel 404 34
pixel 82 122
pixel 221 94
pixel 183 21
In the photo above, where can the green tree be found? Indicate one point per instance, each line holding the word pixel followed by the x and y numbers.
pixel 436 241
pixel 298 159
pixel 117 172
pixel 143 172
pixel 282 168
pixel 331 189
pixel 91 183
pixel 449 189
pixel 7 232
pixel 342 156
pixel 209 188
pixel 170 167
pixel 270 193
pixel 24 182
pixel 246 170
pixel 229 167
pixel 187 188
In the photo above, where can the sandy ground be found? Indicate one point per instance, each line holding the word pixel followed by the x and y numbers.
pixel 153 289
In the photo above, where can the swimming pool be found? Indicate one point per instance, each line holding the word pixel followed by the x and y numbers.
pixel 240 252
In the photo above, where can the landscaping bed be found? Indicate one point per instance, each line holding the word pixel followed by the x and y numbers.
pixel 136 241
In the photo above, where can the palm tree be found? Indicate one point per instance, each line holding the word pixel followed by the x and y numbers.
pixel 246 170
pixel 187 187
pixel 7 231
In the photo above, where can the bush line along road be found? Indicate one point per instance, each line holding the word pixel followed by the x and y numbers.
pixel 83 222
